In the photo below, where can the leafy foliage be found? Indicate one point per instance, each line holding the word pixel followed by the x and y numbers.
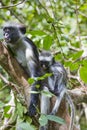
pixel 44 119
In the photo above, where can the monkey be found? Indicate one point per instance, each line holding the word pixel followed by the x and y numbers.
pixel 26 53
pixel 57 83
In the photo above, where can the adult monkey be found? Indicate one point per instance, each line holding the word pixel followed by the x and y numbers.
pixel 26 53
pixel 57 83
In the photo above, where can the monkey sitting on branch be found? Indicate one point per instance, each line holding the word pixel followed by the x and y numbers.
pixel 26 53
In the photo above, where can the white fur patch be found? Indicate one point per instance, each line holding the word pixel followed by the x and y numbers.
pixel 59 69
pixel 29 54
pixel 45 58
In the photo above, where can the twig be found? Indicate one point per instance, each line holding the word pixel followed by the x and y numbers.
pixel 8 122
pixel 74 49
pixel 9 83
pixel 10 6
pixel 58 40
pixel 44 8
pixel 78 22
pixel 76 78
pixel 52 9
pixel 81 13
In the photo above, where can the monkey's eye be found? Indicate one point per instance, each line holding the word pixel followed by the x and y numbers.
pixel 8 29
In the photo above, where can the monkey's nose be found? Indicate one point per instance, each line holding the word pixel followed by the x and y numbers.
pixel 44 67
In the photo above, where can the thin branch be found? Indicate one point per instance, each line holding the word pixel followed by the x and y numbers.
pixel 78 22
pixel 77 78
pixel 44 8
pixel 9 83
pixel 52 8
pixel 58 40
pixel 81 13
pixel 10 6
pixel 21 20
pixel 79 95
pixel 8 122
pixel 74 49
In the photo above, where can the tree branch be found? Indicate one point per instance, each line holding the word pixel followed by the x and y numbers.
pixel 15 71
pixel 10 6
pixel 79 95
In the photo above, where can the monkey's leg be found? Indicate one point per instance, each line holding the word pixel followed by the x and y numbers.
pixel 58 101
pixel 45 107
pixel 34 98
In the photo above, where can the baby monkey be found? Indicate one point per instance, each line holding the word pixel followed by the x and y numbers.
pixel 57 83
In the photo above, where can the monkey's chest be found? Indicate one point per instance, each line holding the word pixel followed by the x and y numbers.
pixel 20 56
pixel 51 83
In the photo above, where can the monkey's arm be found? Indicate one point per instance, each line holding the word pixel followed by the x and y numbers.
pixel 58 101
pixel 34 69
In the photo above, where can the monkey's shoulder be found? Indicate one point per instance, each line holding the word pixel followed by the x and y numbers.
pixel 34 48
pixel 57 68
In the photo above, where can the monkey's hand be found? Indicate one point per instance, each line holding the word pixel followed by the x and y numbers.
pixel 32 110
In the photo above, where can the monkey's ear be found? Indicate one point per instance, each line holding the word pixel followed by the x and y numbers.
pixel 22 29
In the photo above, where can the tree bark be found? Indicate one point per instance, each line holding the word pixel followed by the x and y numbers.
pixel 9 63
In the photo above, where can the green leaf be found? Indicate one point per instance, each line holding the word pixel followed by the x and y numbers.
pixel 56 119
pixel 1 83
pixel 20 109
pixel 31 81
pixel 48 94
pixel 25 126
pixel 68 63
pixel 6 109
pixel 1 104
pixel 74 66
pixel 37 32
pixel 83 74
pixel 50 20
pixel 77 55
pixel 44 76
pixel 84 63
pixel 43 120
pixel 47 42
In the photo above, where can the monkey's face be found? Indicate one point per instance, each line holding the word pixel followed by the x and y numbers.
pixel 46 59
pixel 44 64
pixel 11 34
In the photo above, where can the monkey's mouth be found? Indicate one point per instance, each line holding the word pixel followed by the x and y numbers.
pixel 7 40
pixel 44 67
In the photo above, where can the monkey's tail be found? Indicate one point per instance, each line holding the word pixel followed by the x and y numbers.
pixel 72 110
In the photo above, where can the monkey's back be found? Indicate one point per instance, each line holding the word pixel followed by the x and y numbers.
pixel 58 80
